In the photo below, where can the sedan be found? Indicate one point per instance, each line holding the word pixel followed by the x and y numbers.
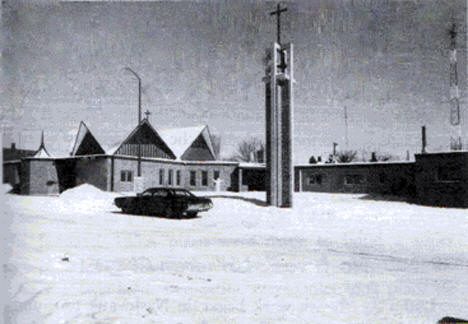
pixel 166 202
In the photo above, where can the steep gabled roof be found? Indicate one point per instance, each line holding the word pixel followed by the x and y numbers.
pixel 176 142
pixel 143 123
pixel 42 152
pixel 180 139
pixel 83 138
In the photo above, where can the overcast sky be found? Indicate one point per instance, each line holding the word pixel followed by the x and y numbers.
pixel 201 63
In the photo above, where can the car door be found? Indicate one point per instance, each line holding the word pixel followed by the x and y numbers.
pixel 181 199
pixel 160 201
pixel 144 202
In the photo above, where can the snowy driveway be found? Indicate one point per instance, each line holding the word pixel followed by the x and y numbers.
pixel 334 258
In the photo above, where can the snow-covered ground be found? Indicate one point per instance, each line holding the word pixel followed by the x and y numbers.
pixel 334 258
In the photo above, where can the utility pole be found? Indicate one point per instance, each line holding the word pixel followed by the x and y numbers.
pixel 346 126
pixel 139 117
pixel 423 139
pixel 455 140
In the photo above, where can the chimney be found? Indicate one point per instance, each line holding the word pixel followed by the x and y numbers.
pixel 13 146
pixel 423 134
pixel 374 157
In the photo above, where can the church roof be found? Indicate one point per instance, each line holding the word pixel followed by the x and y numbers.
pixel 180 139
pixel 177 140
pixel 84 137
pixel 143 123
pixel 41 152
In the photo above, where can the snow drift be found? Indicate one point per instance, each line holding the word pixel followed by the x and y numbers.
pixel 333 258
pixel 87 198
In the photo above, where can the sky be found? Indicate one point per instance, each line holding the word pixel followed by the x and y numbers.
pixel 201 63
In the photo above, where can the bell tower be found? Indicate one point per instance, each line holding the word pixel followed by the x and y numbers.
pixel 279 80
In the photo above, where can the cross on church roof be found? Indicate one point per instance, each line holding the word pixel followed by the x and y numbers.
pixel 278 12
pixel 147 113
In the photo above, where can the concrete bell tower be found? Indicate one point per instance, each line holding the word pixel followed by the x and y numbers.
pixel 279 80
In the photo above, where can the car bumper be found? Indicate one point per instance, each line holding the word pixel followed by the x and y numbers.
pixel 199 207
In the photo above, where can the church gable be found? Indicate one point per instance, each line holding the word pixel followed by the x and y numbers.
pixel 89 145
pixel 86 143
pixel 147 140
pixel 198 150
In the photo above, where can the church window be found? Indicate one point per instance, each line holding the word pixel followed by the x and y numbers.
pixel 169 177
pixel 216 174
pixel 204 178
pixel 161 176
pixel 193 178
pixel 126 176
pixel 178 177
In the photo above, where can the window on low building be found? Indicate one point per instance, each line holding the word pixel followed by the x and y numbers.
pixel 204 178
pixel 193 178
pixel 382 177
pixel 178 177
pixel 126 176
pixel 354 179
pixel 216 174
pixel 169 177
pixel 161 176
pixel 312 179
pixel 316 179
pixel 449 173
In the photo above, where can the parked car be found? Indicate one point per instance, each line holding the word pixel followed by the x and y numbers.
pixel 166 202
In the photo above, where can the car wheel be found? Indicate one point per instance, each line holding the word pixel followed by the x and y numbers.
pixel 168 212
pixel 192 214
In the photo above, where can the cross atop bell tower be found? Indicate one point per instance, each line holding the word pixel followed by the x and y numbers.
pixel 282 53
pixel 278 12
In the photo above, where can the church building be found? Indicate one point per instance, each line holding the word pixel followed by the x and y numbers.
pixel 182 157
pixel 179 158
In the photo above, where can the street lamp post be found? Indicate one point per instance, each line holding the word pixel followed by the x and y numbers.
pixel 139 117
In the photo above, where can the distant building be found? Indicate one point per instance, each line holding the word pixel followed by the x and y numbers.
pixel 439 179
pixel 12 153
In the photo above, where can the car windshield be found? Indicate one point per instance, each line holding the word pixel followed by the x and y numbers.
pixel 160 193
pixel 182 193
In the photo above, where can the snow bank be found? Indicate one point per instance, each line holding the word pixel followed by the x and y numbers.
pixel 6 187
pixel 87 198
pixel 85 191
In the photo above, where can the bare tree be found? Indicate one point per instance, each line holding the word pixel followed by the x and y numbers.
pixel 250 150
pixel 346 156
pixel 381 157
pixel 385 157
